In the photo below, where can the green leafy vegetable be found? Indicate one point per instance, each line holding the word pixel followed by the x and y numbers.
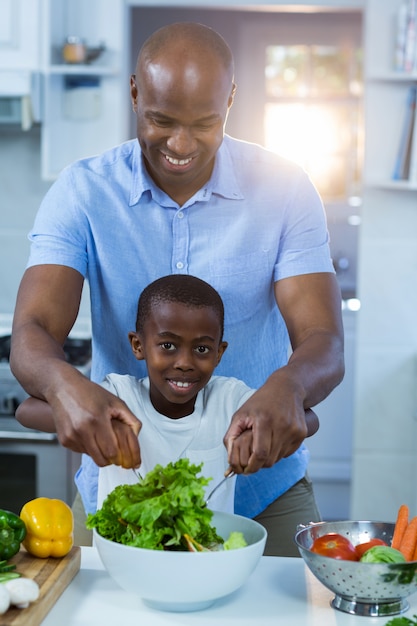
pixel 382 554
pixel 402 621
pixel 163 511
pixel 235 540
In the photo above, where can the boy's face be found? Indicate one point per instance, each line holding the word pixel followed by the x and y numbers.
pixel 181 346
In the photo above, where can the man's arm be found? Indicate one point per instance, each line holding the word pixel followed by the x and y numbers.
pixel 84 413
pixel 311 307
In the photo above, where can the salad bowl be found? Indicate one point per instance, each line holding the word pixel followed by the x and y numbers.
pixel 185 581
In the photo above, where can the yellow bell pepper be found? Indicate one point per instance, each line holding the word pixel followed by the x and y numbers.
pixel 50 527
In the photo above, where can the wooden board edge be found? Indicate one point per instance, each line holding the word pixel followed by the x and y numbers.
pixel 36 612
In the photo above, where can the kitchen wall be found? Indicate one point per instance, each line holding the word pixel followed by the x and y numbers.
pixel 21 191
pixel 385 439
pixel 385 410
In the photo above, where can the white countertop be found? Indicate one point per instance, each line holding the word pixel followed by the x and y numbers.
pixel 280 590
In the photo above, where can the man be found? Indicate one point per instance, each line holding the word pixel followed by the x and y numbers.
pixel 185 198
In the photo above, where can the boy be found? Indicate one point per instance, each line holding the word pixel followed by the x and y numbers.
pixel 183 409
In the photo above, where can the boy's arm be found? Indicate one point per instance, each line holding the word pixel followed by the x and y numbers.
pixel 36 414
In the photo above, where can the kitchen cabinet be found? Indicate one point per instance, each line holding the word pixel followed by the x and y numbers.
pixel 19 57
pixel 19 35
pixel 85 105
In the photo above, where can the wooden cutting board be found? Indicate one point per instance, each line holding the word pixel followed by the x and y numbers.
pixel 52 576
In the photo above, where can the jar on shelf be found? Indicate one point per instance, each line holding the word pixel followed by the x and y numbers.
pixel 74 50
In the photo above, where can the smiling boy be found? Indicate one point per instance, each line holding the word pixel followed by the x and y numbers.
pixel 184 410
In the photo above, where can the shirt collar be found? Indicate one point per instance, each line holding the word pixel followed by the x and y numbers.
pixel 141 181
pixel 223 180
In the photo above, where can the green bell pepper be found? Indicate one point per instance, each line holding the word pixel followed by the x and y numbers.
pixel 12 533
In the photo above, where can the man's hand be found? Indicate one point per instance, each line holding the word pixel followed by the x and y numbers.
pixel 262 432
pixel 91 420
pixel 86 417
pixel 274 415
pixel 127 445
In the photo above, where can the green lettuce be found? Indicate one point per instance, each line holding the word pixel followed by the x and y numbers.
pixel 382 554
pixel 163 511
pixel 235 540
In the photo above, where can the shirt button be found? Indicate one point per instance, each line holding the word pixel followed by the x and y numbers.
pixel 180 215
pixel 179 265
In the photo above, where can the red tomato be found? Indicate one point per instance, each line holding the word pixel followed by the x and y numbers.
pixel 361 548
pixel 336 546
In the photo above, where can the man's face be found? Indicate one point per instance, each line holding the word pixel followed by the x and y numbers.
pixel 181 111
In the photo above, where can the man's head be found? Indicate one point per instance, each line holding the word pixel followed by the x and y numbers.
pixel 179 330
pixel 181 93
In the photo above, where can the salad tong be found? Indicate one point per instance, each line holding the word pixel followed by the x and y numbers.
pixel 228 475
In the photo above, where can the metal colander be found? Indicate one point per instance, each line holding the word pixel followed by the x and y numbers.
pixel 368 589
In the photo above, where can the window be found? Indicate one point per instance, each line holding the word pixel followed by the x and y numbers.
pixel 312 113
pixel 301 84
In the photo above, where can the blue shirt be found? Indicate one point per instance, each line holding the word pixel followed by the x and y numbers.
pixel 258 219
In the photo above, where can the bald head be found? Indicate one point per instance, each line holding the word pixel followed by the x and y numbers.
pixel 181 94
pixel 186 41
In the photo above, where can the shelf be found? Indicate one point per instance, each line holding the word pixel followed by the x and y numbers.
pixel 82 70
pixel 393 185
pixel 393 77
pixel 106 64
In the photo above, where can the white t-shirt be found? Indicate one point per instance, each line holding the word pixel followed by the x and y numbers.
pixel 198 437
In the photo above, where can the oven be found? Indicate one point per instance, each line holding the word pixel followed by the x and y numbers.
pixel 33 463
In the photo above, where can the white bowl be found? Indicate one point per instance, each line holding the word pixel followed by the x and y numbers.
pixel 185 581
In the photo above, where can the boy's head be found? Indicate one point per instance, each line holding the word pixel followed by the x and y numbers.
pixel 182 288
pixel 179 332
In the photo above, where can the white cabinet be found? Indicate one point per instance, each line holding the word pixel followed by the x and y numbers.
pixel 85 106
pixel 19 34
pixel 19 57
